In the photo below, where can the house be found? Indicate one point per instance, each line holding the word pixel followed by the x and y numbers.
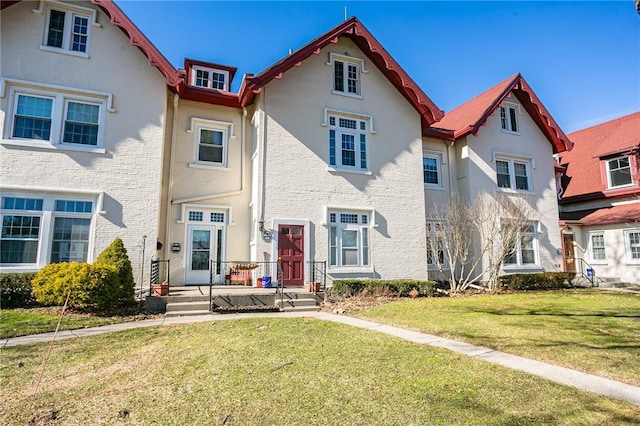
pixel 81 134
pixel 600 200
pixel 502 141
pixel 332 154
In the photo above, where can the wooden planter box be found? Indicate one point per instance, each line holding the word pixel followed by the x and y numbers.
pixel 160 289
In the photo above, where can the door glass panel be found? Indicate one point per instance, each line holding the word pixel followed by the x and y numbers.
pixel 200 250
pixel 285 231
pixel 297 231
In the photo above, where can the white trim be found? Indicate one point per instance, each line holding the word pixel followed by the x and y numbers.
pixel 627 245
pixel 511 160
pixel 592 260
pixel 355 172
pixel 198 124
pixel 524 157
pixel 438 158
pixel 355 209
pixel 608 172
pixel 43 189
pixel 206 166
pixel 518 108
pixel 209 207
pixel 211 70
pixel 73 9
pixel 347 114
pixel 347 60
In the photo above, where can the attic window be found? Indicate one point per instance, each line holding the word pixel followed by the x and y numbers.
pixel 209 78
pixel 68 29
pixel 509 118
pixel 347 73
pixel 619 172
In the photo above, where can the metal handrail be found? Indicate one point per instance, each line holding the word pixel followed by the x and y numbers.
pixel 229 271
pixel 583 266
pixel 154 276
pixel 318 269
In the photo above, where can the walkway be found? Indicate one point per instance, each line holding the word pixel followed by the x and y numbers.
pixel 565 376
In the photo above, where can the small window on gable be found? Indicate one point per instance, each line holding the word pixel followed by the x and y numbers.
pixel 619 172
pixel 347 73
pixel 68 30
pixel 209 78
pixel 509 118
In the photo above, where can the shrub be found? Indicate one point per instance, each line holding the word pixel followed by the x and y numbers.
pixel 541 281
pixel 401 288
pixel 116 255
pixel 91 285
pixel 16 290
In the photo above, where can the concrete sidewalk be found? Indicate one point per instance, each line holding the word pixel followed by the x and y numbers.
pixel 565 376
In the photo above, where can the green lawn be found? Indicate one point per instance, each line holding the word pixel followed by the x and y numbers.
pixel 590 330
pixel 22 322
pixel 277 371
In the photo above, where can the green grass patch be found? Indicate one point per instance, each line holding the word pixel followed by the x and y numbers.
pixel 23 322
pixel 589 330
pixel 276 371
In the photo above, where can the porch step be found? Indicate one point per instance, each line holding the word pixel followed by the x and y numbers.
pixel 188 313
pixel 613 284
pixel 188 306
pixel 298 304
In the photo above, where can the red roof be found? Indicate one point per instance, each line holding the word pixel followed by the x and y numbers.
pixel 470 116
pixel 354 30
pixel 136 38
pixel 583 177
pixel 625 213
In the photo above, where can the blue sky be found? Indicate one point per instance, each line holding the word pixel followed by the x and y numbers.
pixel 581 58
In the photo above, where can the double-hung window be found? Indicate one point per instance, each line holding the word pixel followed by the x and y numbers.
pixel 431 171
pixel 509 118
pixel 211 142
pixel 209 78
pixel 632 240
pixel 513 173
pixel 68 29
pixel 619 172
pixel 71 230
pixel 524 247
pixel 348 143
pixel 349 245
pixel 347 74
pixel 61 120
pixel 597 247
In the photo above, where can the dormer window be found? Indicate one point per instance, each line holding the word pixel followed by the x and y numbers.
pixel 209 78
pixel 619 172
pixel 509 118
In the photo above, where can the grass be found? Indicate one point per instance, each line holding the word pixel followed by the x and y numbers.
pixel 277 371
pixel 589 330
pixel 23 322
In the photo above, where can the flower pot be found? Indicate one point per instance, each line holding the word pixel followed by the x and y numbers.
pixel 314 286
pixel 160 289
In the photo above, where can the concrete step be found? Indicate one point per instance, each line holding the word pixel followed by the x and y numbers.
pixel 188 306
pixel 613 284
pixel 296 302
pixel 186 299
pixel 301 308
pixel 187 313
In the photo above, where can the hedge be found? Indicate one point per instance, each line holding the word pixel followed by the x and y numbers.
pixel 16 290
pixel 541 281
pixel 400 288
pixel 91 285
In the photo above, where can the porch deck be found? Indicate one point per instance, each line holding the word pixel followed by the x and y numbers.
pixel 229 290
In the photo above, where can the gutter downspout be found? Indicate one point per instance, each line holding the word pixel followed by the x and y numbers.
pixel 451 183
pixel 174 135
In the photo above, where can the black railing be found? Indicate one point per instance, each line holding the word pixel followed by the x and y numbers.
pixel 159 277
pixel 318 276
pixel 584 269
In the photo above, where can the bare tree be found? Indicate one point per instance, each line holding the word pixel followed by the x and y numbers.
pixel 468 242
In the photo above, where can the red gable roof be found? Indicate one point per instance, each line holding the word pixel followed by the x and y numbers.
pixel 136 38
pixel 583 176
pixel 625 213
pixel 354 30
pixel 470 116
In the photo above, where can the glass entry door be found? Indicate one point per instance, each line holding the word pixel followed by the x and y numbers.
pixel 204 244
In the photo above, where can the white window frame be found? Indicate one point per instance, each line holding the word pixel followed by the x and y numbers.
pixel 47 222
pixel 438 159
pixel 363 231
pixel 506 124
pixel 70 11
pixel 332 121
pixel 60 97
pixel 512 160
pixel 592 258
pixel 211 71
pixel 198 124
pixel 346 61
pixel 518 264
pixel 431 266
pixel 608 168
pixel 627 243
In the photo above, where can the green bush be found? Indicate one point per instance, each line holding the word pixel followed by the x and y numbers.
pixel 91 285
pixel 16 290
pixel 116 255
pixel 400 288
pixel 541 281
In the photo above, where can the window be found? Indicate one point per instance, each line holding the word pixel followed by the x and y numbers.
pixel 524 247
pixel 348 143
pixel 211 146
pixel 347 72
pixel 431 171
pixel 633 246
pixel 619 172
pixel 509 118
pixel 597 246
pixel 62 120
pixel 435 245
pixel 38 230
pixel 68 30
pixel 514 174
pixel 209 78
pixel 349 240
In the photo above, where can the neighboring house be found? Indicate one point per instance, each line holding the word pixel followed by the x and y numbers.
pixel 600 199
pixel 82 121
pixel 501 141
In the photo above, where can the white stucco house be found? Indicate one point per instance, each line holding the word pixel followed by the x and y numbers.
pixel 82 122
pixel 600 200
pixel 331 154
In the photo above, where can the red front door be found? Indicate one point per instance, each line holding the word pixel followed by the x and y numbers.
pixel 291 253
